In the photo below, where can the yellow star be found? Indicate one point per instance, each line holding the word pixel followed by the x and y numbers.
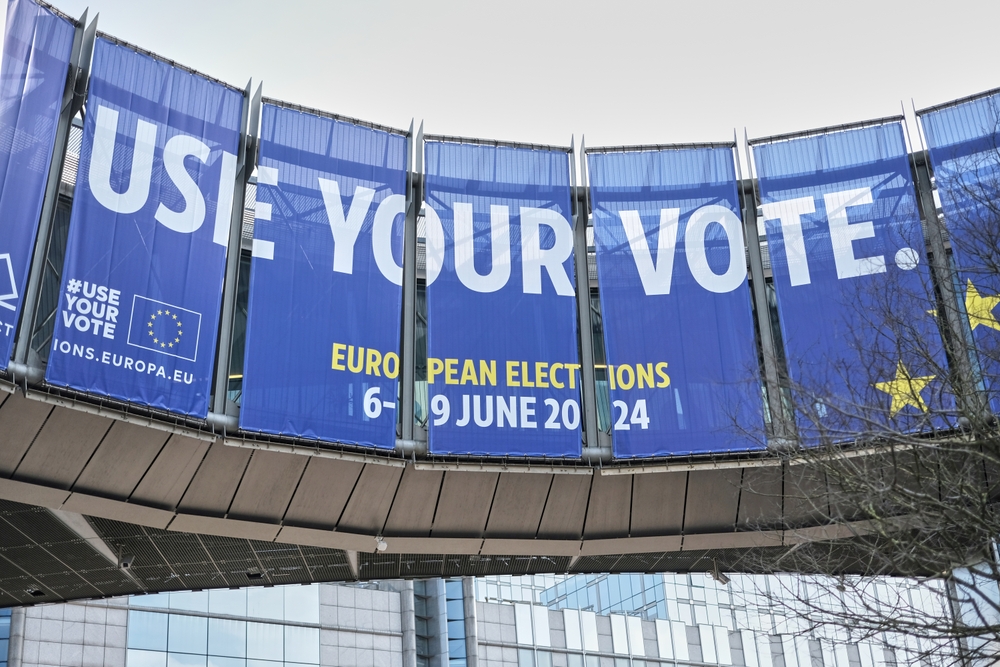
pixel 155 340
pixel 905 390
pixel 159 312
pixel 174 316
pixel 980 308
pixel 167 312
pixel 150 333
pixel 163 344
pixel 151 318
pixel 177 340
pixel 170 344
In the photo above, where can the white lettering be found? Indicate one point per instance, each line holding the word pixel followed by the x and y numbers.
pixel 534 258
pixel 843 234
pixel 697 255
pixel 789 213
pixel 102 159
pixel 465 249
pixel 656 277
pixel 345 229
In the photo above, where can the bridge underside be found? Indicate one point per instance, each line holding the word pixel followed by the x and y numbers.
pixel 80 491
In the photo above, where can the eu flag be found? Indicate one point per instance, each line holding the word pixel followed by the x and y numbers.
pixel 164 328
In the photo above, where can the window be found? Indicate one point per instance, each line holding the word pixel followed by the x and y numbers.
pixel 301 644
pixel 188 634
pixel 228 602
pixel 137 658
pixel 302 604
pixel 186 660
pixel 227 638
pixel 265 641
pixel 266 603
pixel 147 630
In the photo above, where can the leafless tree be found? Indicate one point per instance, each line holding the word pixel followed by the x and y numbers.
pixel 902 470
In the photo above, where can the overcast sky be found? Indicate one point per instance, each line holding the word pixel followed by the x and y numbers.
pixel 620 72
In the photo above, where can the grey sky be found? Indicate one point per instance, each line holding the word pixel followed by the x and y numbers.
pixel 623 72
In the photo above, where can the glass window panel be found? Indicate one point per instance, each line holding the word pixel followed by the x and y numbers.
pixel 266 603
pixel 188 634
pixel 453 590
pixel 147 630
pixel 157 600
pixel 227 637
pixel 189 601
pixel 574 660
pixel 525 658
pixel 186 660
pixel 137 658
pixel 456 648
pixel 217 661
pixel 231 603
pixel 301 644
pixel 302 604
pixel 456 609
pixel 264 663
pixel 4 647
pixel 456 629
pixel 543 659
pixel 265 641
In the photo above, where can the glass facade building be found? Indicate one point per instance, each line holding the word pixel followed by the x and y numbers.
pixel 198 629
pixel 534 621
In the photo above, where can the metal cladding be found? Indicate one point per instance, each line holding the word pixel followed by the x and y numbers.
pixel 502 365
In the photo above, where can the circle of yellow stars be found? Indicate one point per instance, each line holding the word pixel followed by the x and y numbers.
pixel 156 340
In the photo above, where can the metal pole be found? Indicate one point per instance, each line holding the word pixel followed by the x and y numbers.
pixel 970 400
pixel 588 389
pixel 73 96
pixel 415 150
pixel 246 157
pixel 781 431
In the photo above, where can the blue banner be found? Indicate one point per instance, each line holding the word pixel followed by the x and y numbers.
pixel 854 295
pixel 503 369
pixel 139 305
pixel 964 146
pixel 675 302
pixel 36 51
pixel 323 329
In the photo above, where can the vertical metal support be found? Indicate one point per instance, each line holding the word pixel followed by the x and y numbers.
pixel 588 383
pixel 781 430
pixel 72 101
pixel 971 401
pixel 246 160
pixel 415 149
pixel 471 626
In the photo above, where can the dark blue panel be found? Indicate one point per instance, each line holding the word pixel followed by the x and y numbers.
pixel 36 52
pixel 503 364
pixel 854 293
pixel 322 355
pixel 964 145
pixel 139 308
pixel 678 329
